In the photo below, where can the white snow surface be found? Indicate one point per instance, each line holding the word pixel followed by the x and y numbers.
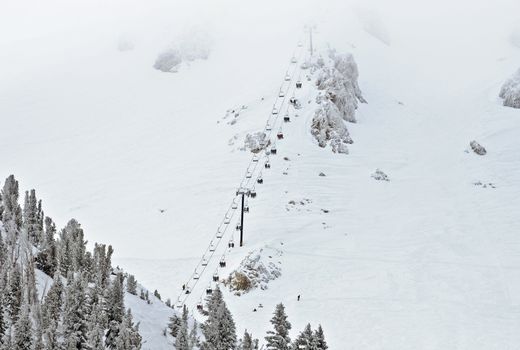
pixel 425 261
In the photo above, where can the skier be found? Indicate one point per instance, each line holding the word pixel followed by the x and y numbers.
pixel 298 297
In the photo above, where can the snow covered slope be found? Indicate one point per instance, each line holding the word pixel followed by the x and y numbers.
pixel 429 259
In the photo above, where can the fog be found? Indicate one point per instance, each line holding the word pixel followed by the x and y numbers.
pixel 72 124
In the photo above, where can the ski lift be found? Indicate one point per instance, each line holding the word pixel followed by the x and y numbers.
pixel 286 118
pixel 231 244
pixel 204 262
pixel 209 291
pixel 222 262
pixel 195 277
pixel 273 149
pixel 260 180
pixel 298 84
pixel 219 233
pixel 241 190
pixel 281 94
pixel 255 158
pixel 226 220
pixel 294 60
pixel 267 165
pixel 248 175
pixel 300 44
pixel 252 193
pixel 293 100
pixel 246 208
pixel 279 135
pixel 287 77
pixel 234 205
pixel 187 291
pixel 211 247
pixel 275 111
pixel 238 227
pixel 215 277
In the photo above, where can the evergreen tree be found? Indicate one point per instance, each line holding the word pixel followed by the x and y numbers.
pixel 320 339
pixel 14 294
pixel 75 314
pixel 279 338
pixel 11 213
pixel 157 295
pixel 3 323
pixel 193 336
pixel 247 343
pixel 182 341
pixel 51 308
pixel 219 329
pixel 128 337
pixel 23 332
pixel 115 300
pixel 305 340
pixel 111 335
pixel 131 285
pixel 174 325
pixel 46 260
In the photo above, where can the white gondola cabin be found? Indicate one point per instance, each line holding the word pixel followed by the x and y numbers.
pixel 274 111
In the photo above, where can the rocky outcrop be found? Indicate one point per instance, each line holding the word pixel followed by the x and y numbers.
pixel 510 91
pixel 255 271
pixel 338 101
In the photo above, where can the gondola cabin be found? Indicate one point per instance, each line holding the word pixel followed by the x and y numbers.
pixel 279 135
pixel 273 149
pixel 215 278
pixel 281 94
pixel 298 84
pixel 260 180
pixel 252 194
pixel 286 118
pixel 275 111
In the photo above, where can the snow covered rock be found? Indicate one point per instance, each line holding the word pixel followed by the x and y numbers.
pixel 510 91
pixel 168 61
pixel 340 84
pixel 338 100
pixel 477 148
pixel 193 45
pixel 380 175
pixel 328 127
pixel 255 271
pixel 255 142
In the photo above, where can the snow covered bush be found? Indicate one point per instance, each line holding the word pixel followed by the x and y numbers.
pixel 255 271
pixel 168 61
pixel 477 148
pixel 510 91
